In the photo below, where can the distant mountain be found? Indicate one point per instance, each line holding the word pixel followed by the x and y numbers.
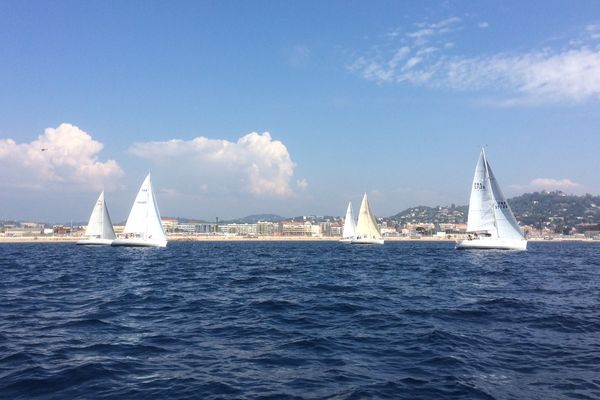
pixel 424 214
pixel 188 220
pixel 555 210
pixel 252 219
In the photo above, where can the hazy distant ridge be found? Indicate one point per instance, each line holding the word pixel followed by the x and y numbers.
pixel 252 219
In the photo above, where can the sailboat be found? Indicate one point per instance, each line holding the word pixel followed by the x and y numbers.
pixel 99 229
pixel 367 231
pixel 491 223
pixel 349 232
pixel 143 227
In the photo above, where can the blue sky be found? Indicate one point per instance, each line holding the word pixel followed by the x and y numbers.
pixel 392 98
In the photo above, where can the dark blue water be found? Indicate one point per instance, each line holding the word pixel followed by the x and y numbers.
pixel 299 320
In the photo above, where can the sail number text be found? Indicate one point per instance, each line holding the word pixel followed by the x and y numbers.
pixel 502 205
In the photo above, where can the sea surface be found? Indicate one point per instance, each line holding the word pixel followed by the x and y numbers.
pixel 299 320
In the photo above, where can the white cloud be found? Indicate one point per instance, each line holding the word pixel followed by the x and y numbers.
pixel 483 24
pixel 572 75
pixel 551 183
pixel 255 164
pixel 421 33
pixel 298 56
pixel 538 76
pixel 594 31
pixel 442 26
pixel 302 184
pixel 429 30
pixel 63 157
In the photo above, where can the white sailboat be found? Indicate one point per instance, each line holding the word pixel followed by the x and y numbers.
pixel 367 231
pixel 491 223
pixel 143 227
pixel 99 229
pixel 349 232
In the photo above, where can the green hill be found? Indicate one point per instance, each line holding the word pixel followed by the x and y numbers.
pixel 439 214
pixel 555 210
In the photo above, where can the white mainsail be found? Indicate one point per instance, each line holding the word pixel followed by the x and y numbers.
pixel 349 224
pixel 366 226
pixel 144 219
pixel 100 225
pixel 489 211
pixel 481 203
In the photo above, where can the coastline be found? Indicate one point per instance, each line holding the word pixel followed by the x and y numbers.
pixel 73 239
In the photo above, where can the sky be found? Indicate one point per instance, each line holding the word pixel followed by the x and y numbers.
pixel 293 108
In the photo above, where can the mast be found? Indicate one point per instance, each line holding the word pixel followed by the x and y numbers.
pixel 102 221
pixel 147 204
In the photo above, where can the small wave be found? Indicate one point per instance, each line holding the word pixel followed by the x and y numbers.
pixel 17 358
pixel 89 324
pixel 276 360
pixel 339 308
pixel 565 323
pixel 275 305
pixel 38 382
pixel 312 345
pixel 443 362
pixel 122 349
pixel 335 288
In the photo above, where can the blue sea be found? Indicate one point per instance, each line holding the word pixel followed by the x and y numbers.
pixel 299 320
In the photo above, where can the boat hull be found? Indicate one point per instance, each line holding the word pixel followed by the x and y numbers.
pixel 135 242
pixel 95 242
pixel 366 241
pixel 492 244
pixel 346 240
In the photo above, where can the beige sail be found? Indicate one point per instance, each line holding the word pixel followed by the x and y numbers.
pixel 366 228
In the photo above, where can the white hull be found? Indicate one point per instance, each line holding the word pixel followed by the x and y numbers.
pixel 138 242
pixel 95 242
pixel 366 241
pixel 346 240
pixel 492 243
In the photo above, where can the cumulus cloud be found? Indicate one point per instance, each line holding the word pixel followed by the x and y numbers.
pixel 61 158
pixel 255 164
pixel 426 57
pixel 551 183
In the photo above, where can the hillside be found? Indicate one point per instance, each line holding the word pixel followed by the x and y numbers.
pixel 252 219
pixel 555 210
pixel 439 214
